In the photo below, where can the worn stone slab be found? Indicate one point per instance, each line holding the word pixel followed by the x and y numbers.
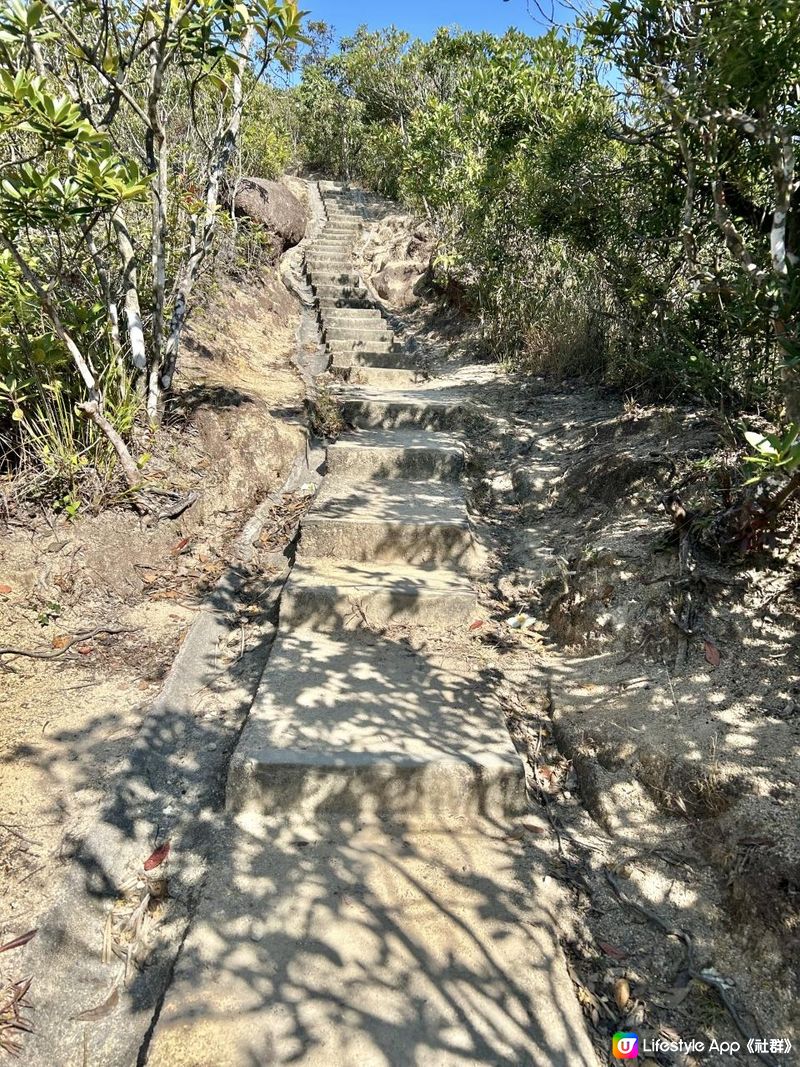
pixel 422 408
pixel 337 344
pixel 364 316
pixel 326 276
pixel 358 723
pixel 333 944
pixel 392 520
pixel 412 454
pixel 367 357
pixel 386 377
pixel 329 595
pixel 365 334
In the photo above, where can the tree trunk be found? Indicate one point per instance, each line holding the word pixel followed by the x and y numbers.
pixel 224 145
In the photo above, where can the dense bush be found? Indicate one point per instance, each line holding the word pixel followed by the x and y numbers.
pixel 614 200
pixel 118 121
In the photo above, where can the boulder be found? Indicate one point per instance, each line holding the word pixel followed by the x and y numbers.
pixel 272 206
pixel 397 280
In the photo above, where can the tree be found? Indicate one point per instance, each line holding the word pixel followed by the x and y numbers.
pixel 118 121
pixel 723 78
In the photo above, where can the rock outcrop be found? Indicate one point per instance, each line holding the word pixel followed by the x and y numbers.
pixel 272 206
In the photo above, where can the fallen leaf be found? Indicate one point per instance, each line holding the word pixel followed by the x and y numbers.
pixel 612 950
pixel 475 625
pixel 622 993
pixel 712 653
pixel 157 858
pixel 18 942
pixel 85 650
pixel 101 1010
pixel 61 641
pixel 5 589
pixel 179 546
pixel 143 684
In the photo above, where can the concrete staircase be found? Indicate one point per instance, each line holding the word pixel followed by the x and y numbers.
pixel 374 908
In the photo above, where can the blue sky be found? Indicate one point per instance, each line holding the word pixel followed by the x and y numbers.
pixel 421 18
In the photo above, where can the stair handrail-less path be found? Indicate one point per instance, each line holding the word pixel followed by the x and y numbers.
pixel 375 909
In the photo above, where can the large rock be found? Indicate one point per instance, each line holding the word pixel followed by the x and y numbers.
pixel 398 280
pixel 274 207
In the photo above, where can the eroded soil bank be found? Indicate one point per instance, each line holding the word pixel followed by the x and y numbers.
pixel 652 678
pixel 231 435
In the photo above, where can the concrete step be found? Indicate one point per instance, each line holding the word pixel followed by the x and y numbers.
pixel 329 259
pixel 380 377
pixel 399 735
pixel 356 316
pixel 345 278
pixel 326 595
pixel 346 348
pixel 391 521
pixel 364 357
pixel 325 303
pixel 335 291
pixel 411 454
pixel 317 943
pixel 424 409
pixel 333 244
pixel 363 334
pixel 336 270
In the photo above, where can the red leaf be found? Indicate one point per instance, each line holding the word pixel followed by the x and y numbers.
pixel 18 942
pixel 5 589
pixel 157 857
pixel 179 546
pixel 475 625
pixel 712 653
pixel 613 951
pixel 85 649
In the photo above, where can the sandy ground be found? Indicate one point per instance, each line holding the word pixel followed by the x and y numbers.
pixel 231 434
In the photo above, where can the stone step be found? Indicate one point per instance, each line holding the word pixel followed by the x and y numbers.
pixel 340 266
pixel 380 377
pixel 329 259
pixel 393 521
pixel 327 595
pixel 364 357
pixel 325 303
pixel 410 454
pixel 317 943
pixel 424 409
pixel 346 278
pixel 356 316
pixel 332 244
pixel 402 737
pixel 346 348
pixel 364 334
pixel 336 291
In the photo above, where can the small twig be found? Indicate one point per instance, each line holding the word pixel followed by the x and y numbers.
pixel 76 640
pixel 706 976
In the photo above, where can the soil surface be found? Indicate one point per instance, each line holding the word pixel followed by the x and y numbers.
pixel 231 433
pixel 652 679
